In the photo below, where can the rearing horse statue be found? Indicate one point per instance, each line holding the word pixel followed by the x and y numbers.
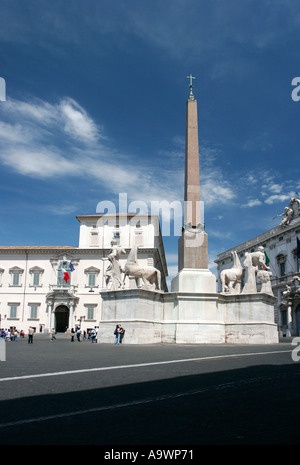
pixel 230 278
pixel 149 274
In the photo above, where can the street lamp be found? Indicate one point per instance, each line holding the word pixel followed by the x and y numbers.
pixel 80 319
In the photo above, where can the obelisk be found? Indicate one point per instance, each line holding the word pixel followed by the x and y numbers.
pixel 193 274
pixel 192 177
pixel 192 245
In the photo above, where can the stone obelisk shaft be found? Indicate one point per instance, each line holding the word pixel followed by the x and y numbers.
pixel 192 177
pixel 192 245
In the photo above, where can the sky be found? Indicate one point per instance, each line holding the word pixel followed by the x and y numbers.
pixel 95 101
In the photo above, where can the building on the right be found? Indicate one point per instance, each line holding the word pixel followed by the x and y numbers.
pixel 281 245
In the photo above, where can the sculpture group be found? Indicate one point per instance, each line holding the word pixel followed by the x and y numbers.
pixel 290 212
pixel 150 276
pixel 292 291
pixel 254 268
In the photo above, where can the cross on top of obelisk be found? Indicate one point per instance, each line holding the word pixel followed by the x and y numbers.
pixel 191 96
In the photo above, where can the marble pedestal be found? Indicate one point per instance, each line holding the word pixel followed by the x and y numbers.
pixel 139 311
pixel 249 318
pixel 194 280
pixel 186 317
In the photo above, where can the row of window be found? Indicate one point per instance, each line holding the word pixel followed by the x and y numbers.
pixel 36 274
pixel 14 309
pixel 138 237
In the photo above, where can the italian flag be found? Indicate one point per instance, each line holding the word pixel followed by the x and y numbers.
pixel 65 275
pixel 267 258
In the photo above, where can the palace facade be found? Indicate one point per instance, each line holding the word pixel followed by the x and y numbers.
pixel 60 287
pixel 280 245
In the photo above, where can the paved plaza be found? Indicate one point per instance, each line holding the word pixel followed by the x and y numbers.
pixel 63 393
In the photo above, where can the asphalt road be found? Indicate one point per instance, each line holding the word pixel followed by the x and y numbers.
pixel 175 396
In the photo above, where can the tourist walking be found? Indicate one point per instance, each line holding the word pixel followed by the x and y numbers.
pixel 53 337
pixel 78 334
pixel 30 335
pixel 72 335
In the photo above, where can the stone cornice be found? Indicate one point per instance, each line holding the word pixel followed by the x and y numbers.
pixel 35 249
pixel 262 238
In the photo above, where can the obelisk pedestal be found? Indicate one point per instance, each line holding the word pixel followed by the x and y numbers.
pixel 193 273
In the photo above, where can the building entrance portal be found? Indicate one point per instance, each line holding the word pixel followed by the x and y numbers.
pixel 61 318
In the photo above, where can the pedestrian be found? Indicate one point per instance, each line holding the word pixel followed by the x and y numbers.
pixel 53 334
pixel 30 335
pixel 119 333
pixel 72 335
pixel 93 335
pixel 78 334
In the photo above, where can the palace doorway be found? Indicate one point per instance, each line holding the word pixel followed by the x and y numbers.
pixel 61 318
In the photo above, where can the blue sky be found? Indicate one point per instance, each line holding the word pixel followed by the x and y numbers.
pixel 95 106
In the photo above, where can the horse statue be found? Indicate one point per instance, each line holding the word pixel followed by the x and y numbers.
pixel 230 278
pixel 149 274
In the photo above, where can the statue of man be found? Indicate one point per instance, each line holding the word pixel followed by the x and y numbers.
pixel 255 264
pixel 288 213
pixel 258 259
pixel 295 202
pixel 114 271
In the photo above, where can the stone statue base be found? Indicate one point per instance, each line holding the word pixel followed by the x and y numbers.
pixel 194 280
pixel 249 318
pixel 188 317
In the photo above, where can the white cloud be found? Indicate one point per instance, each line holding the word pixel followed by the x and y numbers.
pixel 76 121
pixel 277 198
pixel 14 133
pixel 220 234
pixel 44 140
pixel 36 110
pixel 66 114
pixel 252 203
pixel 275 188
pixel 216 190
pixel 40 163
